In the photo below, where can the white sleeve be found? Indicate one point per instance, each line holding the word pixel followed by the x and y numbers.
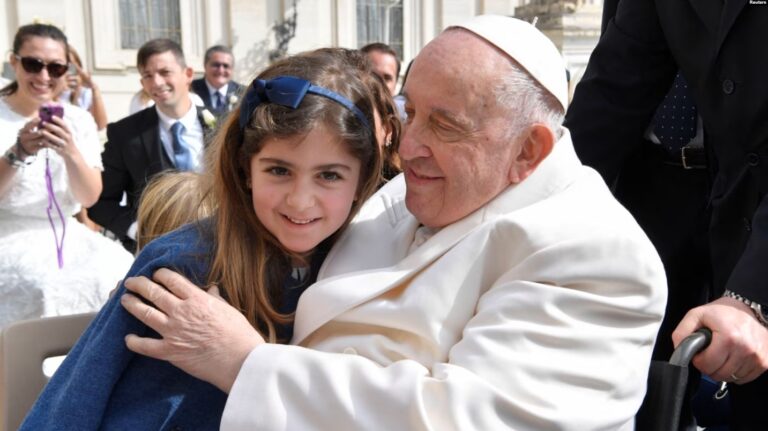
pixel 568 352
pixel 86 135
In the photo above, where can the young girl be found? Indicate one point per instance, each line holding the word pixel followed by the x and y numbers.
pixel 289 169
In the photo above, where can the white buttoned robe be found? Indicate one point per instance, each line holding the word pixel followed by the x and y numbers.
pixel 538 311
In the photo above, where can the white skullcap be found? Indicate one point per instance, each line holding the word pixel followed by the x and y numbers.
pixel 527 46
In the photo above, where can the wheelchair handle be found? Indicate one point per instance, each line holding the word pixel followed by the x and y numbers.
pixel 690 346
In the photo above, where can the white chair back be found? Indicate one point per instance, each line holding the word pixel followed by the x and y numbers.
pixel 24 345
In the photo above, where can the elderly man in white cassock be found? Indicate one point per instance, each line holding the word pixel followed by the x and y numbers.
pixel 495 284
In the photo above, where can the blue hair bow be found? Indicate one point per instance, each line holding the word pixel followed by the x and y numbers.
pixel 289 91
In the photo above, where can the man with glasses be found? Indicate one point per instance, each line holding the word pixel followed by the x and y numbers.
pixel 217 89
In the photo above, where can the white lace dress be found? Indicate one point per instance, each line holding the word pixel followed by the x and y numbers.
pixel 31 283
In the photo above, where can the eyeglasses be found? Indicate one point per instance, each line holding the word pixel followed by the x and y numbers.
pixel 35 65
pixel 217 65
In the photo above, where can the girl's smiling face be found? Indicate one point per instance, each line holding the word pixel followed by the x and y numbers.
pixel 303 187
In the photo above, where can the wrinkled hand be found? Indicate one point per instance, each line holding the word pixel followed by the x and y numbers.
pixel 201 333
pixel 739 349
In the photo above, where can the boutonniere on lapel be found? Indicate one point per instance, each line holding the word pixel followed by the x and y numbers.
pixel 209 119
pixel 232 101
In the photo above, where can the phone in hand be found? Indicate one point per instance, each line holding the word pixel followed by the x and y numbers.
pixel 50 110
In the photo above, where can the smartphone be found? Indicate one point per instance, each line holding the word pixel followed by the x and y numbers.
pixel 72 70
pixel 48 111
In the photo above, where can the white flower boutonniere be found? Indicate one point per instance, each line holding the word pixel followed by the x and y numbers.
pixel 232 100
pixel 209 119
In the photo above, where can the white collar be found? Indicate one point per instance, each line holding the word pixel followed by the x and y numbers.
pixel 212 90
pixel 421 236
pixel 187 120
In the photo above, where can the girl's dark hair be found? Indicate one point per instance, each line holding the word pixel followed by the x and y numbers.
pixel 28 31
pixel 249 263
pixel 390 122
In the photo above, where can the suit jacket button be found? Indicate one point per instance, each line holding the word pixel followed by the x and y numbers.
pixel 728 86
pixel 753 159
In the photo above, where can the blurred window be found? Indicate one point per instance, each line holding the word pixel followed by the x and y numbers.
pixel 143 20
pixel 380 21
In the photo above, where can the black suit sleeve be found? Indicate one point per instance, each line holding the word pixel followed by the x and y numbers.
pixel 628 75
pixel 749 275
pixel 116 180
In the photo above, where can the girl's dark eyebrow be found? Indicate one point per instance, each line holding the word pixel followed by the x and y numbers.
pixel 273 161
pixel 333 166
pixel 327 167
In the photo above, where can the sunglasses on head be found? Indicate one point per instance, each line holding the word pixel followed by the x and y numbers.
pixel 217 65
pixel 35 65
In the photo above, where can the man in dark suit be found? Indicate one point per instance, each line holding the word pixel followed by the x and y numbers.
pixel 168 135
pixel 217 89
pixel 717 46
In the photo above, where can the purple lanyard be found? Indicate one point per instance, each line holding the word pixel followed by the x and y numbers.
pixel 51 203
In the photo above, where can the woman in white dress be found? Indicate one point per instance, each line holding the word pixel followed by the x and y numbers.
pixel 49 263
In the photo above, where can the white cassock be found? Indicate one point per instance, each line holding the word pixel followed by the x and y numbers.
pixel 538 311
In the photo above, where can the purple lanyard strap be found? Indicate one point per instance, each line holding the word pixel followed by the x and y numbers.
pixel 51 203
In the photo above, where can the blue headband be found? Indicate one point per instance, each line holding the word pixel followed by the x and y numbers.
pixel 289 91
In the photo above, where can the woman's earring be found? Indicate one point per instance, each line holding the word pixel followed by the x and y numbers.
pixel 248 183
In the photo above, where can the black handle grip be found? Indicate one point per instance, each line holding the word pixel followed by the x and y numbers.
pixel 690 346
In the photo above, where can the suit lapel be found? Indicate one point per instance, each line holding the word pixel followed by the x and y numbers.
pixel 709 11
pixel 150 138
pixel 202 90
pixel 201 118
pixel 208 129
pixel 731 11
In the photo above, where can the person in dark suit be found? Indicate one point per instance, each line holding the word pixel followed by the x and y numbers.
pixel 716 45
pixel 384 62
pixel 217 89
pixel 169 135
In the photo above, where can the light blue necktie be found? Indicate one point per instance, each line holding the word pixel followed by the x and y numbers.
pixel 181 153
